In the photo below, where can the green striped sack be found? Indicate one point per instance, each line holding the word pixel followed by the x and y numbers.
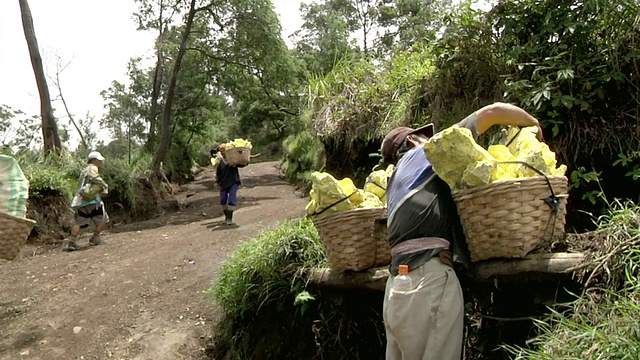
pixel 14 188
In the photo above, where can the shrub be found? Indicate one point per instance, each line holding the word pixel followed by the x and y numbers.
pixel 302 154
pixel 51 175
pixel 602 323
pixel 122 178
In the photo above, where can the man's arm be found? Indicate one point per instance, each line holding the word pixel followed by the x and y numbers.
pixel 95 178
pixel 502 114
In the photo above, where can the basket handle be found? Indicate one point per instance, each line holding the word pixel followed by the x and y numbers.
pixel 334 204
pixel 378 185
pixel 514 137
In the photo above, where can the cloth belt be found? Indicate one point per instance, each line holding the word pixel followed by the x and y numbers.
pixel 419 244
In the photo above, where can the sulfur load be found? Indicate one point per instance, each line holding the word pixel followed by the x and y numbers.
pixel 239 143
pixel 463 164
pixel 327 193
pixel 376 183
pixel 526 147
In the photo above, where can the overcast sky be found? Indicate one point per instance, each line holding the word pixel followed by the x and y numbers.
pixel 98 37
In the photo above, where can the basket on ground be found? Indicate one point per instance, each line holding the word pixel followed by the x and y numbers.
pixel 238 155
pixel 510 218
pixel 355 239
pixel 13 235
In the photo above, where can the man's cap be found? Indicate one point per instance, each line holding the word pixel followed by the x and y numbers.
pixel 394 139
pixel 95 155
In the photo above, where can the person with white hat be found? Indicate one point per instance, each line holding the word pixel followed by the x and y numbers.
pixel 88 202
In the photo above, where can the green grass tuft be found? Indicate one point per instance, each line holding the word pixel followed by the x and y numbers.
pixel 602 322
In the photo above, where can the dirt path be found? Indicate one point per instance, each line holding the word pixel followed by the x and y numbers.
pixel 143 295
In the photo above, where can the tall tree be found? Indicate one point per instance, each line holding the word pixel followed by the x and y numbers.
pixel 155 16
pixel 50 135
pixel 165 140
pixel 405 22
pixel 324 37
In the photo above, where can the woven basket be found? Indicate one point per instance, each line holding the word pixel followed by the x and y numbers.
pixel 510 218
pixel 13 235
pixel 238 156
pixel 354 240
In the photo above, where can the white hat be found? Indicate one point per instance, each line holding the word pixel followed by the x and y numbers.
pixel 95 155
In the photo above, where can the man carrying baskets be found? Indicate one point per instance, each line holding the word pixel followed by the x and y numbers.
pixel 228 178
pixel 424 232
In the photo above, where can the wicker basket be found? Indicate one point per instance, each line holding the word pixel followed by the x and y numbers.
pixel 238 156
pixel 354 240
pixel 13 235
pixel 510 218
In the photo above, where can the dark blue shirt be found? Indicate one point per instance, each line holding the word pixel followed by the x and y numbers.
pixel 420 204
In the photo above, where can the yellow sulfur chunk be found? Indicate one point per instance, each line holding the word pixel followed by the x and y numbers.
pixel 502 170
pixel 377 181
pixel 478 173
pixel 326 190
pixel 239 143
pixel 462 163
pixel 451 151
pixel 501 153
pixel 370 201
pixel 349 188
pixel 526 147
pixel 559 171
pixel 311 206
pixel 534 159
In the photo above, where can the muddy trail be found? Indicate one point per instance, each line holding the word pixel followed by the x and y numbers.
pixel 143 295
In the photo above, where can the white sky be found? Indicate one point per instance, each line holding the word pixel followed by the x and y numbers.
pixel 97 36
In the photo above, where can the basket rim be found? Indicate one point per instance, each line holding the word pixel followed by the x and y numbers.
pixel 460 192
pixel 17 219
pixel 345 212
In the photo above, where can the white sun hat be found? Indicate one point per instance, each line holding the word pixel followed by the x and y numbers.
pixel 95 155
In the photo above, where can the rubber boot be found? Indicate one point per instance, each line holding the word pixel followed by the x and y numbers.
pixel 228 214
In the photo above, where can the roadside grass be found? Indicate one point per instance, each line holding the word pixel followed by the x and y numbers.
pixel 270 312
pixel 603 322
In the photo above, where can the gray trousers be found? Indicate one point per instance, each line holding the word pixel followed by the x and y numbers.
pixel 425 323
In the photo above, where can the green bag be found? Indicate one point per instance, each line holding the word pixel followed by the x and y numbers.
pixel 90 191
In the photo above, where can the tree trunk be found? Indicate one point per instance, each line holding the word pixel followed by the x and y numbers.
pixel 49 126
pixel 165 141
pixel 157 82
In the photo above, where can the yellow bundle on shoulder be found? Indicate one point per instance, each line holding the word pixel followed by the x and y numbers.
pixel 453 151
pixel 239 143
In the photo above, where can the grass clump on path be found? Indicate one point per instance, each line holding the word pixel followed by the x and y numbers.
pixel 603 322
pixel 269 312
